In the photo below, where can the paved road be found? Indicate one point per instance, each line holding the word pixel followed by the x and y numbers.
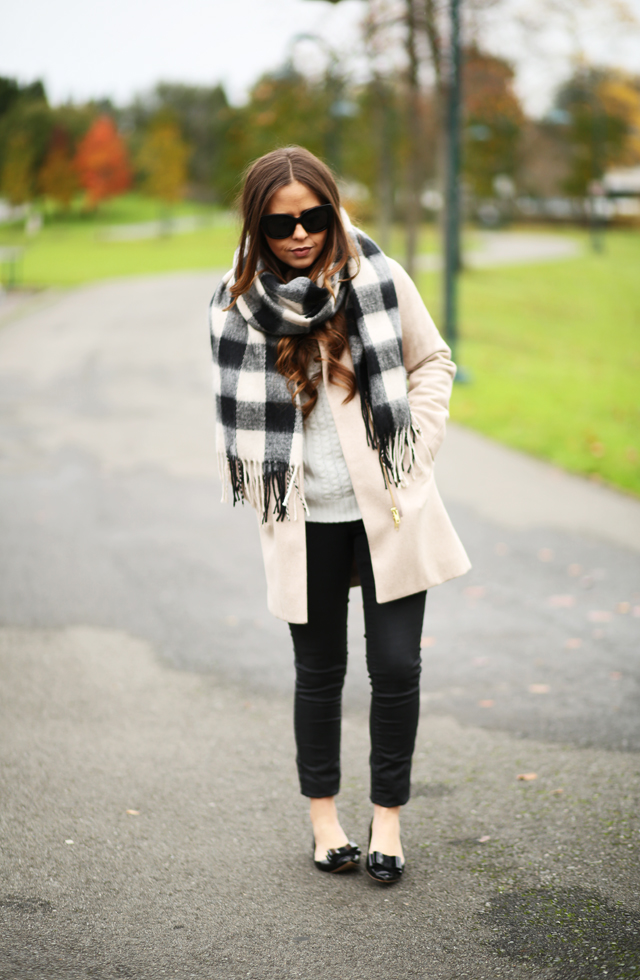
pixel 143 673
pixel 496 248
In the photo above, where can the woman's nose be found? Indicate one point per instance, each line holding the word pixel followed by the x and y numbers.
pixel 299 232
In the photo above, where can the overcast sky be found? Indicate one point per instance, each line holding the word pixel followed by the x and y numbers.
pixel 90 50
pixel 117 48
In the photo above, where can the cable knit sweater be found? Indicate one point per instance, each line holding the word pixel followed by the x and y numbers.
pixel 327 484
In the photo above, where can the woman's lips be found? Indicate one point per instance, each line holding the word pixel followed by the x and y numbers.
pixel 300 253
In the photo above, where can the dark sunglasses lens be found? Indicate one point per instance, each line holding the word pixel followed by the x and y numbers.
pixel 277 225
pixel 283 225
pixel 316 219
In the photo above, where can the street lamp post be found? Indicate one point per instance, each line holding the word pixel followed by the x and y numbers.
pixel 452 183
pixel 597 200
pixel 339 107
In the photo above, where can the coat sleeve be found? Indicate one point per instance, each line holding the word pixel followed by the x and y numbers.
pixel 427 360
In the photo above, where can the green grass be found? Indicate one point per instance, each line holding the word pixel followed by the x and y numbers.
pixel 71 250
pixel 554 356
pixel 124 209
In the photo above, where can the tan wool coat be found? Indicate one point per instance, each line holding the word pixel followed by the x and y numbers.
pixel 424 550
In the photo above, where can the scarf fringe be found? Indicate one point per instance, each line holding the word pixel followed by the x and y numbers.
pixel 397 451
pixel 398 454
pixel 250 482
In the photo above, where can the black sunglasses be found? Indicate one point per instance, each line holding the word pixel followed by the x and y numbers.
pixel 284 225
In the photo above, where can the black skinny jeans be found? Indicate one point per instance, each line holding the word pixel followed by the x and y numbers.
pixel 393 659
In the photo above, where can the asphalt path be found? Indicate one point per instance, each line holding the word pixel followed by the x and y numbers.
pixel 146 694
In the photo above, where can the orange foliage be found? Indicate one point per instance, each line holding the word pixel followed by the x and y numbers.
pixel 102 162
pixel 493 120
pixel 488 89
pixel 620 99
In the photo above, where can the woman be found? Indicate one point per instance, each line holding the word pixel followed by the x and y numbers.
pixel 332 387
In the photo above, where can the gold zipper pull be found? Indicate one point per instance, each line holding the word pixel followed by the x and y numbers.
pixel 395 513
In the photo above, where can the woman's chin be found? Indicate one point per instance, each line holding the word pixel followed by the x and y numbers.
pixel 300 265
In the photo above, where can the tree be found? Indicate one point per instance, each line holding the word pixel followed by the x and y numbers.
pixel 17 171
pixel 493 120
pixel 202 114
pixel 619 96
pixel 58 176
pixel 601 115
pixel 163 159
pixel 25 129
pixel 413 36
pixel 11 92
pixel 102 162
pixel 284 107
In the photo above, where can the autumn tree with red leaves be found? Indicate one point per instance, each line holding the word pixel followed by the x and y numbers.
pixel 102 162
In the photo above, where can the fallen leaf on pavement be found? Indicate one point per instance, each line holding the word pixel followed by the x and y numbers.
pixel 575 570
pixel 615 675
pixel 557 792
pixel 562 601
pixel 539 688
pixel 599 616
pixel 623 608
pixel 636 611
pixel 483 840
pixel 480 661
pixel 133 813
pixel 545 554
pixel 573 643
pixel 486 704
pixel 527 776
pixel 68 842
pixel 475 591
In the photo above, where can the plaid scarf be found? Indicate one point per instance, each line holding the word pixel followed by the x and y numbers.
pixel 259 428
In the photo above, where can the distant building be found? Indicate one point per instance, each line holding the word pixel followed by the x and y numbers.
pixel 623 182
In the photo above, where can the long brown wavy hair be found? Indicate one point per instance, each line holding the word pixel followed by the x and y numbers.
pixel 263 178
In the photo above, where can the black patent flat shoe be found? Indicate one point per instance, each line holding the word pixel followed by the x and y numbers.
pixel 383 868
pixel 345 858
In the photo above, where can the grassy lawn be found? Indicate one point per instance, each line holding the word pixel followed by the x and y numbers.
pixel 71 250
pixel 60 258
pixel 554 356
pixel 124 209
pixel 553 349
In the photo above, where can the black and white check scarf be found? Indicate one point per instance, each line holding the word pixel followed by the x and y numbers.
pixel 259 429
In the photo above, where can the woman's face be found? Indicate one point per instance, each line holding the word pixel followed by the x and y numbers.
pixel 301 249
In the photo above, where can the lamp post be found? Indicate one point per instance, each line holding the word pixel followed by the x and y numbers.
pixel 452 184
pixel 596 191
pixel 339 108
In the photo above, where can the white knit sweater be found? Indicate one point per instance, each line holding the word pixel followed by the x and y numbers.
pixel 327 484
